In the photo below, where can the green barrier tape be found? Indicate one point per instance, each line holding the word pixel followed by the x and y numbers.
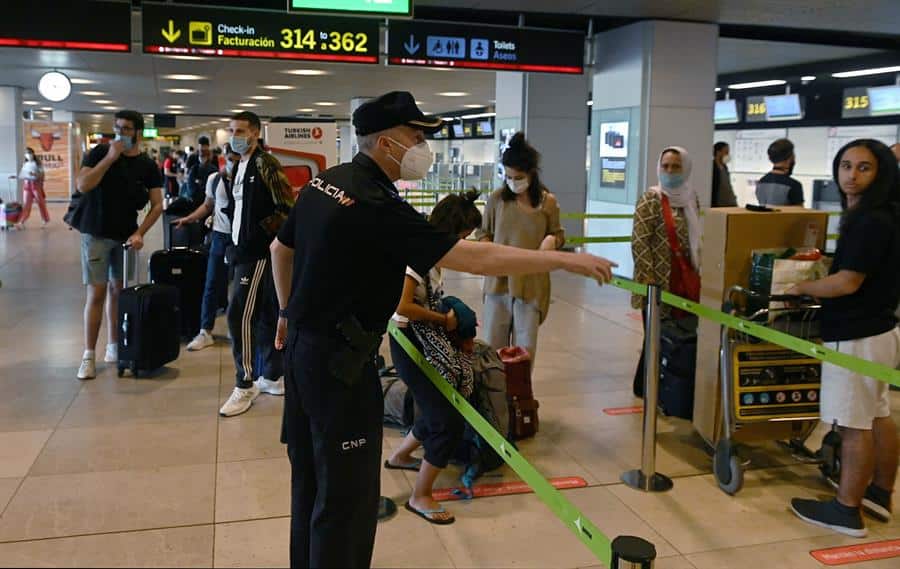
pixel 583 528
pixel 858 365
pixel 583 240
pixel 874 370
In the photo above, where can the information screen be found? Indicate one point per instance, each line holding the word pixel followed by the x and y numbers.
pixel 51 24
pixel 498 48
pixel 774 108
pixel 783 107
pixel 726 112
pixel 861 102
pixel 884 100
pixel 382 7
pixel 245 33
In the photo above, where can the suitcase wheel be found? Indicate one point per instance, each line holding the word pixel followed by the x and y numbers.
pixel 120 372
pixel 727 468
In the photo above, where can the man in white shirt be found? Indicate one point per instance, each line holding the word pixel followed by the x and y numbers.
pixel 216 269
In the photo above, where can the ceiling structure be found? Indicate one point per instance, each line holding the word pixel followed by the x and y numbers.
pixel 144 82
pixel 870 16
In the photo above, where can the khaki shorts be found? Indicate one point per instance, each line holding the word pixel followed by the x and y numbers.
pixel 854 400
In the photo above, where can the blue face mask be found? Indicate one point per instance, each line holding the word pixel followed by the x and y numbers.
pixel 240 144
pixel 672 181
pixel 127 140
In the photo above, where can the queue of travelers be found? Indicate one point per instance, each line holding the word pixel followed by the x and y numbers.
pixel 314 284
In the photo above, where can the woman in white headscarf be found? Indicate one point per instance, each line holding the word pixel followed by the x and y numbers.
pixel 650 247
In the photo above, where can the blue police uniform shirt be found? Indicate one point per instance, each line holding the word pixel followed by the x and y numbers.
pixel 353 237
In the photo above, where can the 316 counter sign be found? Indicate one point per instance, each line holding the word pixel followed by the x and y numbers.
pixel 756 108
pixel 347 42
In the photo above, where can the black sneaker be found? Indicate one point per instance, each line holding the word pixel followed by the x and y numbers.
pixel 876 502
pixel 830 514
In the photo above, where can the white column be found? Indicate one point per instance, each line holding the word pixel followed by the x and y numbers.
pixel 12 142
pixel 656 82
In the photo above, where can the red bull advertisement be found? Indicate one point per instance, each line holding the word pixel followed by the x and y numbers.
pixel 52 144
pixel 304 148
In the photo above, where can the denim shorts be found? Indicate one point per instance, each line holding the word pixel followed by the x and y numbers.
pixel 101 260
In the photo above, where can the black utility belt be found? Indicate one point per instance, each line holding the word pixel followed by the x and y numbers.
pixel 350 349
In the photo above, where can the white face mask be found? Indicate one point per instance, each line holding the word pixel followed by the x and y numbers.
pixel 518 186
pixel 726 159
pixel 416 161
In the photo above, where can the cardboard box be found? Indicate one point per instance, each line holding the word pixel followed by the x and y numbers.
pixel 730 235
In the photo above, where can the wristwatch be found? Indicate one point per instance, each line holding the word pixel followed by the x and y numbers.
pixel 282 312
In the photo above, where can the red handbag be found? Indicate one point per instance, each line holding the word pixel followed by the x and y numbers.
pixel 684 280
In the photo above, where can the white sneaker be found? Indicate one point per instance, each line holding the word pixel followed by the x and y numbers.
pixel 240 401
pixel 88 369
pixel 112 354
pixel 202 340
pixel 269 386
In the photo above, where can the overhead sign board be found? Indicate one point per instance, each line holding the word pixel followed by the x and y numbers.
pixel 861 102
pixel 50 24
pixel 268 35
pixel 374 7
pixel 497 48
pixel 774 108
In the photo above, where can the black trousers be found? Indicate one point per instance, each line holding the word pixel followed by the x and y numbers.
pixel 333 434
pixel 439 426
pixel 252 319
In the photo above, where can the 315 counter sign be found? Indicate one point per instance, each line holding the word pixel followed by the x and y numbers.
pixel 347 42
pixel 856 102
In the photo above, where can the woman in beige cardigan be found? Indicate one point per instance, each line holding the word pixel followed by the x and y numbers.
pixel 649 239
pixel 523 213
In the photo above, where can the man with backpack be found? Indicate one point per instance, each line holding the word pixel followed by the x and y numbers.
pixel 216 201
pixel 116 180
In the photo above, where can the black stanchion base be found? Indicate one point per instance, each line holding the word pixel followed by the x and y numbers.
pixel 630 551
pixel 656 483
pixel 386 509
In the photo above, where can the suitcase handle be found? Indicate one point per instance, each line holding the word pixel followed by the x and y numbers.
pixel 125 248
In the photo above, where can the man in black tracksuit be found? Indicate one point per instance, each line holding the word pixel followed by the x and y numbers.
pixel 339 264
pixel 259 197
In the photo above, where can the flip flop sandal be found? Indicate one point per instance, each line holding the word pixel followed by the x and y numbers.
pixel 424 515
pixel 414 465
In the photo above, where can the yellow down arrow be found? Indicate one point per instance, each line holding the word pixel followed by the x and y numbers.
pixel 171 34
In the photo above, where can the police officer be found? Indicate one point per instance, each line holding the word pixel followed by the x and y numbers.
pixel 339 264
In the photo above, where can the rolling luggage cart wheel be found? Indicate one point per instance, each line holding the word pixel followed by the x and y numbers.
pixel 727 468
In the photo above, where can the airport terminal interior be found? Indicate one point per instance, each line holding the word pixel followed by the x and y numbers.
pixel 125 470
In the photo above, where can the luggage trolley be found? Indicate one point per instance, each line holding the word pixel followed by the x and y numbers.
pixel 763 382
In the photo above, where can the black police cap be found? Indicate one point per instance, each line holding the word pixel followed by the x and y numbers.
pixel 390 110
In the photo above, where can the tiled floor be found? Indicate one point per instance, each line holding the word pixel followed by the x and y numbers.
pixel 123 472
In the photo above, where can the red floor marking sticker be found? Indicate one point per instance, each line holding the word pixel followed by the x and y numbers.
pixel 858 553
pixel 624 410
pixel 636 316
pixel 507 488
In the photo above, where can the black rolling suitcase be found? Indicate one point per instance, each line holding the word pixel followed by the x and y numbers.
pixel 677 367
pixel 149 321
pixel 190 236
pixel 185 269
